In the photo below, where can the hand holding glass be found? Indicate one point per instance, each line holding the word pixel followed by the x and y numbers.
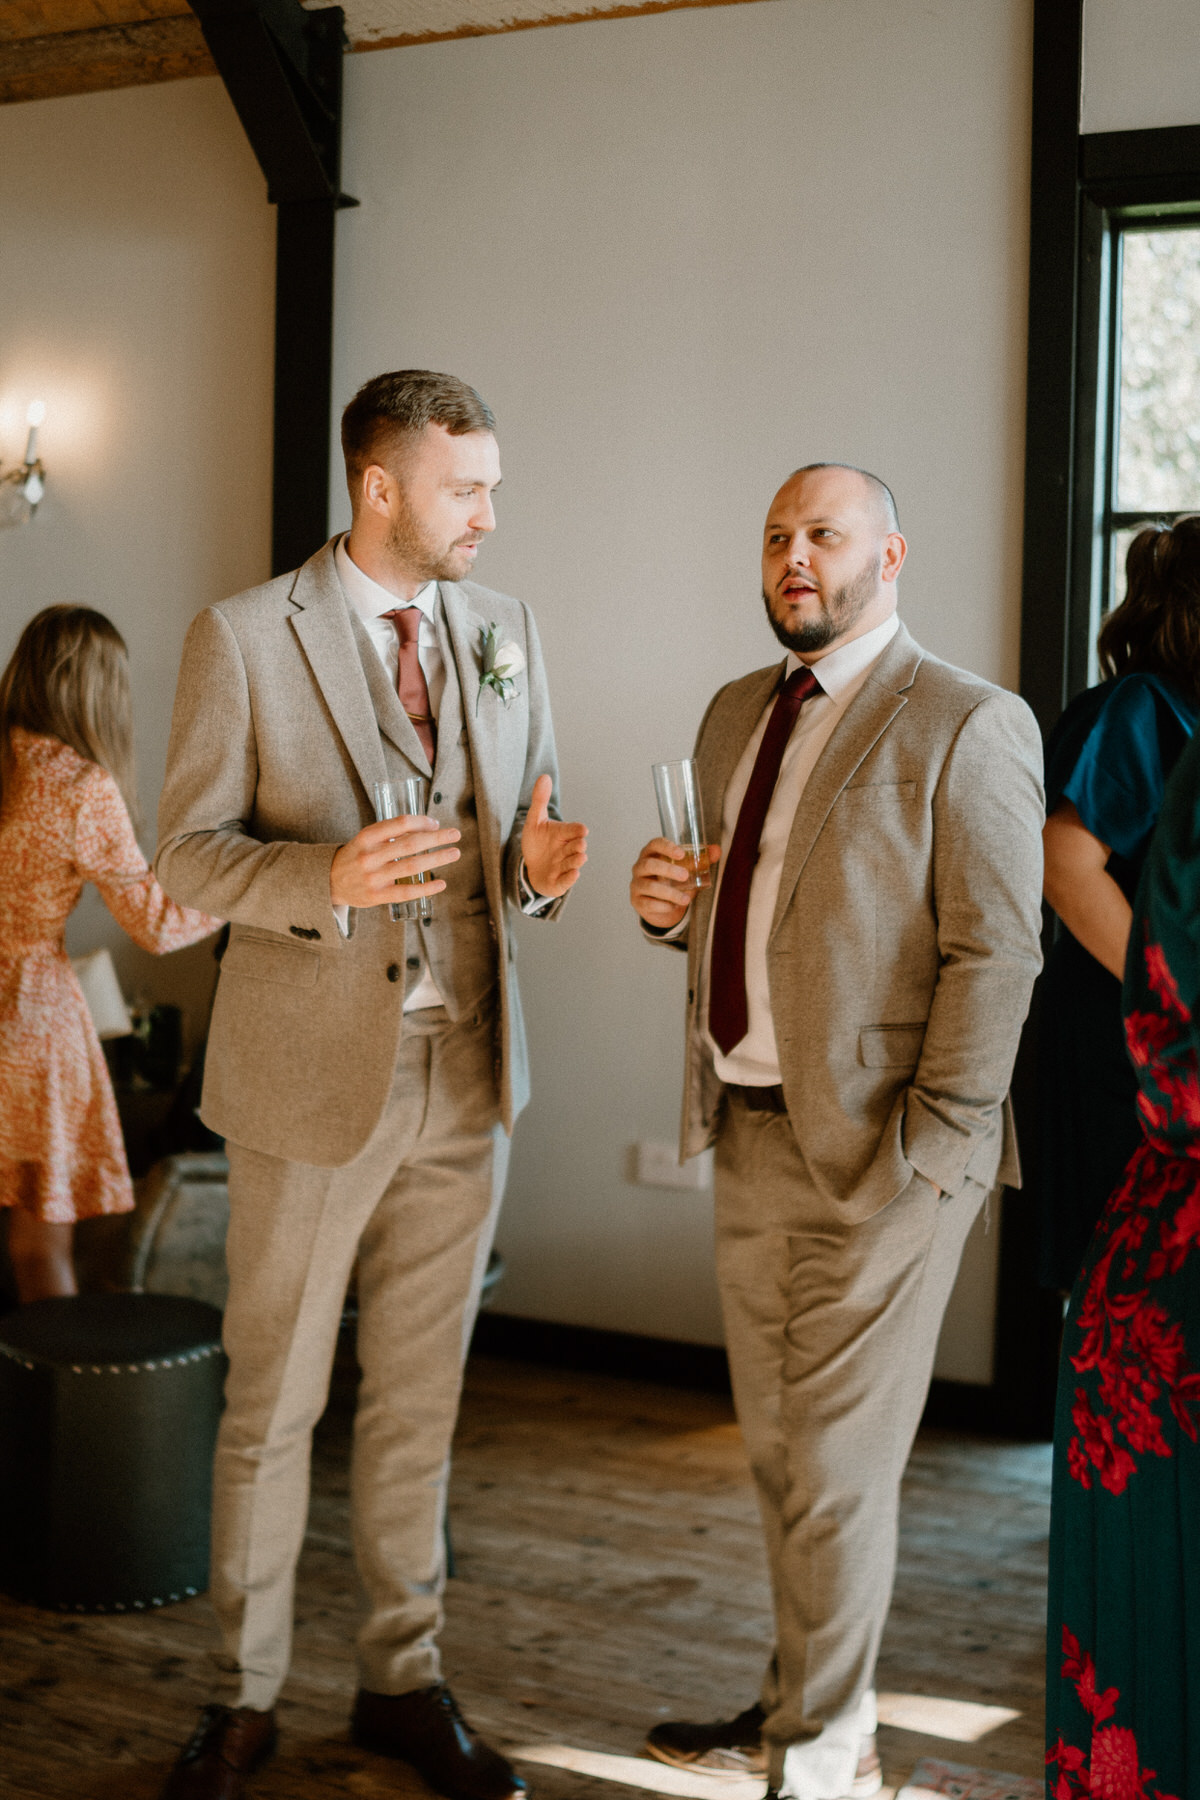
pixel 677 789
pixel 397 800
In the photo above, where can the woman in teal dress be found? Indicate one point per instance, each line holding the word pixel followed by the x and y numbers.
pixel 1107 763
pixel 1123 1688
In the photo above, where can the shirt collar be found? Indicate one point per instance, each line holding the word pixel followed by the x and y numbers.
pixel 367 598
pixel 843 669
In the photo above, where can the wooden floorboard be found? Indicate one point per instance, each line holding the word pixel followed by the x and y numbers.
pixel 610 1573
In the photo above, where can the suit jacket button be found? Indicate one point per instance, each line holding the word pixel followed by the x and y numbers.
pixel 393 971
pixel 414 962
pixel 437 799
pixel 691 996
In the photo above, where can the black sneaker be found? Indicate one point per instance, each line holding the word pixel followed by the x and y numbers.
pixel 733 1746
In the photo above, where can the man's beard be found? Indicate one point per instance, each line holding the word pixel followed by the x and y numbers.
pixel 417 552
pixel 837 615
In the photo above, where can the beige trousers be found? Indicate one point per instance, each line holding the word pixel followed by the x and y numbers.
pixel 416 1211
pixel 831 1330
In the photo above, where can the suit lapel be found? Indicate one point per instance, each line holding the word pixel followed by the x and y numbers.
pixel 322 625
pixel 733 729
pixel 867 717
pixel 464 630
pixel 723 744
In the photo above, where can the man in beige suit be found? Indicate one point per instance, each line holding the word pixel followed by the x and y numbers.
pixel 364 1071
pixel 856 989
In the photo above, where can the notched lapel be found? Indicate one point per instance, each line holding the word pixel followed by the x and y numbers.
pixel 866 719
pixel 492 746
pixel 322 625
pixel 724 739
pixel 464 629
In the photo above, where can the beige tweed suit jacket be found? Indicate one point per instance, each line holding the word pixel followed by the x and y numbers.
pixel 276 743
pixel 905 940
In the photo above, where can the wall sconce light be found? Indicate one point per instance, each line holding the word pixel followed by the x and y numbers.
pixel 23 486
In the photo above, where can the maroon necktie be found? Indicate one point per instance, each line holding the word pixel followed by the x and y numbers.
pixel 410 677
pixel 728 1009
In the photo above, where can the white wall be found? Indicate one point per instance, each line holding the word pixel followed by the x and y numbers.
pixel 138 303
pixel 1141 64
pixel 680 255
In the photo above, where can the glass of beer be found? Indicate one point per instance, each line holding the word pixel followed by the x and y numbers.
pixel 681 816
pixel 398 800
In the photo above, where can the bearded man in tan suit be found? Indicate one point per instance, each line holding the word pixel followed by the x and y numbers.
pixel 856 989
pixel 364 1071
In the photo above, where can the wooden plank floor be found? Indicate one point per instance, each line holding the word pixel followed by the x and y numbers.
pixel 609 1573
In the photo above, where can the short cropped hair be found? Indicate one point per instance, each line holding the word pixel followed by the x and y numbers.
pixel 390 408
pixel 883 493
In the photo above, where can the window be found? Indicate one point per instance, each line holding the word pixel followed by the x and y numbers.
pixel 1147 425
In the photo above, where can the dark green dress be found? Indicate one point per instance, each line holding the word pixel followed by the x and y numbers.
pixel 1123 1688
pixel 1110 755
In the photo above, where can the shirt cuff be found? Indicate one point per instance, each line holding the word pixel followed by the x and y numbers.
pixel 666 934
pixel 533 904
pixel 342 915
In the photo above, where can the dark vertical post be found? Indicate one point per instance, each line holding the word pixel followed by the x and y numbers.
pixel 303 379
pixel 282 67
pixel 1028 1316
pixel 1050 393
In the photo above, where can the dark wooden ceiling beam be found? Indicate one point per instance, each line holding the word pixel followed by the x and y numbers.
pixel 112 56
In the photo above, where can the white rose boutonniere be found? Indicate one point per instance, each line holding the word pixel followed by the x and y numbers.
pixel 502 663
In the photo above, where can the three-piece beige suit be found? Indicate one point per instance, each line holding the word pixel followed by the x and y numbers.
pixel 901 956
pixel 359 1135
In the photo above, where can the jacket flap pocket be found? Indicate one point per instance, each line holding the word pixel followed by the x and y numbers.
pixel 289 965
pixel 890 1046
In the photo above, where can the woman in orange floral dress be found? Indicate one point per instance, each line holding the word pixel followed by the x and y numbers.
pixel 65 772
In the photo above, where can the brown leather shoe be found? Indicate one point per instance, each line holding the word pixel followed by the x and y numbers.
pixel 425 1729
pixel 227 1746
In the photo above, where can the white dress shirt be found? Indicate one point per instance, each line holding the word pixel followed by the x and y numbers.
pixel 370 601
pixel 755 1061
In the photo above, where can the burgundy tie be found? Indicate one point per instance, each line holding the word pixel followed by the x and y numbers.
pixel 410 677
pixel 728 1008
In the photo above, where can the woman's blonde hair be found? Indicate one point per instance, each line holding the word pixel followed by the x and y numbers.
pixel 68 678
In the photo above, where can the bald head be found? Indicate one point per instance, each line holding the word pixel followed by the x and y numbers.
pixel 831 553
pixel 877 493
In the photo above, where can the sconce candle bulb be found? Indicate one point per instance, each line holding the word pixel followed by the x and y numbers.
pixel 22 487
pixel 33 418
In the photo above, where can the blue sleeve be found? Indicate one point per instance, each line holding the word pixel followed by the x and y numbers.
pixel 1116 786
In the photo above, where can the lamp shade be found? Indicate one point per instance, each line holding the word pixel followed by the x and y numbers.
pixel 102 991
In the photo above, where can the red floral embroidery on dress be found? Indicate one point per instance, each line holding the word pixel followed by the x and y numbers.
pixel 1147 1035
pixel 1110 1767
pixel 1163 984
pixel 1128 1341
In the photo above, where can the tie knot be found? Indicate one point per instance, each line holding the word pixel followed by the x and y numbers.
pixel 800 684
pixel 407 620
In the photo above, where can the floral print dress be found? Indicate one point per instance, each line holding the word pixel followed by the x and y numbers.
pixel 1123 1687
pixel 63 822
